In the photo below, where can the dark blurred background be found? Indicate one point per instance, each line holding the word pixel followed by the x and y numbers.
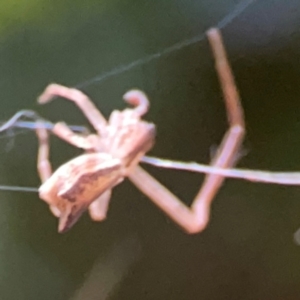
pixel 248 250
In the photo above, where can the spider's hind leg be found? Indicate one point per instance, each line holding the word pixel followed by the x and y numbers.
pixel 228 150
pixel 195 218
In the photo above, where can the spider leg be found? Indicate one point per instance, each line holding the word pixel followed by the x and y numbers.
pixel 80 99
pixel 139 100
pixel 98 208
pixel 195 218
pixel 43 163
pixel 88 142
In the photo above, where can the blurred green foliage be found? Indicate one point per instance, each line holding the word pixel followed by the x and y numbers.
pixel 15 14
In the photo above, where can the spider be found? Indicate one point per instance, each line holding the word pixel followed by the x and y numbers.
pixel 115 150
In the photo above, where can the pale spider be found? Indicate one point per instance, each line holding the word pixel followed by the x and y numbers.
pixel 114 152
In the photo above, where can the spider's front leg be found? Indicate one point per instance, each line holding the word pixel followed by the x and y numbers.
pixel 195 218
pixel 61 130
pixel 89 143
pixel 80 99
